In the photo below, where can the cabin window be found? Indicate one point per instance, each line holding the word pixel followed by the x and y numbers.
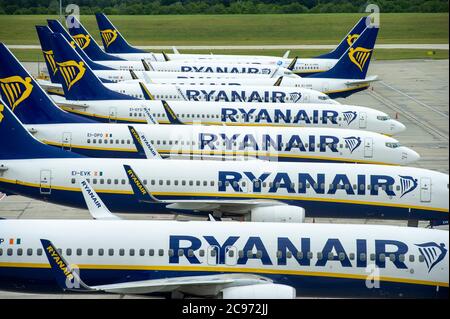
pixel 382 257
pixel 121 252
pixel 111 252
pixel 9 252
pixel 362 257
pixel 421 259
pixel 132 252
pixel 90 252
pixel 69 252
pixel 141 252
pixel 161 252
pixel 39 252
pixel 151 252
pixel 29 252
pixel 19 252
pixel 101 252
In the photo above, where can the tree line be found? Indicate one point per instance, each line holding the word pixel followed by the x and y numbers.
pixel 158 7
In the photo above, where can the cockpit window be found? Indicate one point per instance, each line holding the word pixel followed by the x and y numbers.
pixel 393 145
pixel 383 118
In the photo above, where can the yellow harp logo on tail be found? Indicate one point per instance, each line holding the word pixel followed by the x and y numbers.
pixel 72 72
pixel 359 56
pixel 109 36
pixel 351 39
pixel 1 112
pixel 16 89
pixel 50 57
pixel 82 40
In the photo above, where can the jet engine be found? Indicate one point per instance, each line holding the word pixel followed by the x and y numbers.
pixel 263 291
pixel 278 214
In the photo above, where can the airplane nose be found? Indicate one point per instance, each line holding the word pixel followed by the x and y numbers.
pixel 397 127
pixel 412 156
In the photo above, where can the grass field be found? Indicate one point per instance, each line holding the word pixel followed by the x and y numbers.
pixel 248 30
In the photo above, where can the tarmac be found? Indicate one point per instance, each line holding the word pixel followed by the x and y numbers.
pixel 414 91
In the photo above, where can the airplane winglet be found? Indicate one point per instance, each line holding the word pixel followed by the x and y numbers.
pixel 175 50
pixel 293 63
pixel 166 57
pixel 147 67
pixel 139 189
pixel 173 119
pixel 133 75
pixel 278 82
pixel 143 144
pixel 65 274
pixel 96 207
pixel 149 117
pixel 147 95
pixel 286 54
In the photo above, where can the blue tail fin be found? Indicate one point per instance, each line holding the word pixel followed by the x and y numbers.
pixel 18 143
pixel 80 83
pixel 86 42
pixel 44 33
pixel 113 41
pixel 57 27
pixel 347 41
pixel 355 62
pixel 26 98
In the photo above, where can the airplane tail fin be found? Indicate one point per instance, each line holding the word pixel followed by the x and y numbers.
pixel 18 143
pixel 355 62
pixel 25 97
pixel 171 116
pixel 347 41
pixel 44 33
pixel 57 27
pixel 113 41
pixel 86 42
pixel 79 83
pixel 66 275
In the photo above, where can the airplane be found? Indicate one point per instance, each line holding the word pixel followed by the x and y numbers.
pixel 115 44
pixel 186 66
pixel 75 71
pixel 230 260
pixel 210 113
pixel 250 190
pixel 347 77
pixel 55 127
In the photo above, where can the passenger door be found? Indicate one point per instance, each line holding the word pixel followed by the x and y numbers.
pixel 112 114
pixel 45 185
pixel 368 147
pixel 425 189
pixel 362 120
pixel 67 141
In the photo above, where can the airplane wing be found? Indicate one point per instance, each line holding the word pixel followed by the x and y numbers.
pixel 208 285
pixel 238 207
pixel 367 80
pixel 47 85
pixel 62 102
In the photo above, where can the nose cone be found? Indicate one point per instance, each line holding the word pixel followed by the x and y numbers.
pixel 397 127
pixel 412 156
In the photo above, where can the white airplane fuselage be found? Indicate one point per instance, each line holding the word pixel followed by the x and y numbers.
pixel 316 260
pixel 198 141
pixel 238 114
pixel 322 189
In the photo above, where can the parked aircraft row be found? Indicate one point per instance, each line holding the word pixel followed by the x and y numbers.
pixel 248 166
